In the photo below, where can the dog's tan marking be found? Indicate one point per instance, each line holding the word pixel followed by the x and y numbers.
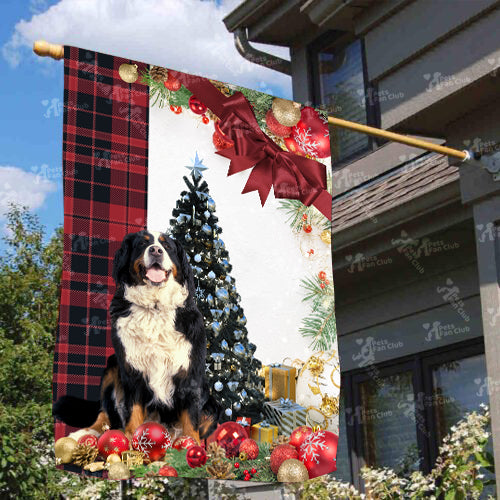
pixel 137 265
pixel 136 419
pixel 101 421
pixel 188 428
pixel 147 237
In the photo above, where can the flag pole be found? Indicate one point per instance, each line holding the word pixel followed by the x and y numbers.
pixel 45 49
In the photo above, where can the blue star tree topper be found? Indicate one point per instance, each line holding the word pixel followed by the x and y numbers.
pixel 197 167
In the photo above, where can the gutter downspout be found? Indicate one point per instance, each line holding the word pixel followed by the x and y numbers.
pixel 257 56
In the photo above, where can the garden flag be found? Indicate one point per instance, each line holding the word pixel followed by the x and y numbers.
pixel 196 328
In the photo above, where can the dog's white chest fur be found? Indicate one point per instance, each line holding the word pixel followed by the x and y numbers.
pixel 152 345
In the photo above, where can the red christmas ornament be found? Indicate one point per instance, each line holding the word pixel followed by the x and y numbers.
pixel 205 119
pixel 307 228
pixel 298 436
pixel 311 134
pixel 292 146
pixel 229 436
pixel 319 453
pixel 322 275
pixel 176 109
pixel 220 140
pixel 253 471
pixel 152 439
pixel 112 441
pixel 275 126
pixel 88 440
pixel 168 471
pixel 196 456
pixel 183 443
pixel 250 447
pixel 246 478
pixel 281 453
pixel 171 83
pixel 237 465
pixel 196 106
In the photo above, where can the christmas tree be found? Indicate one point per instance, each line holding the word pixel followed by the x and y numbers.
pixel 231 368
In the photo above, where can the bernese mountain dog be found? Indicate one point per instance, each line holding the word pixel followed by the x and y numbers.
pixel 158 370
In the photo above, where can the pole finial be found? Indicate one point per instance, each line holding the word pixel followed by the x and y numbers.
pixel 43 49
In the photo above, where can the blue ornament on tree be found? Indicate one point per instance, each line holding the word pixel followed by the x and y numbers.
pixel 207 214
pixel 237 406
pixel 232 385
pixel 222 294
pixel 206 229
pixel 228 412
pixel 239 349
pixel 211 275
pixel 216 326
pixel 197 258
pixel 188 238
pixel 224 345
pixel 237 334
pixel 218 386
pixel 210 297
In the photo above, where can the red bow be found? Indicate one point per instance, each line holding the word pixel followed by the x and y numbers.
pixel 291 176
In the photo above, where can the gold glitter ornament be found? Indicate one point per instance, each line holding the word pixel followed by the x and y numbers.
pixel 292 471
pixel 220 469
pixel 113 459
pixel 118 470
pixel 64 449
pixel 128 72
pixel 286 112
pixel 95 466
pixel 326 237
pixel 329 406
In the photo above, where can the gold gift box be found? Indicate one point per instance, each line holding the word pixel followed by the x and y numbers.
pixel 264 434
pixel 280 381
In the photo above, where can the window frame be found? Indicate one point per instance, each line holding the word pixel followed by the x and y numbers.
pixel 338 39
pixel 420 364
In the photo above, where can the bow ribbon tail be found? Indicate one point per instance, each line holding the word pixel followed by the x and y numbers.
pixel 261 180
pixel 324 204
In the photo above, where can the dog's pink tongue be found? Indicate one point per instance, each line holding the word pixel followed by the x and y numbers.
pixel 155 274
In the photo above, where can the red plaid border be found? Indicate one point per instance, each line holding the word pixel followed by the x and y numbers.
pixel 105 162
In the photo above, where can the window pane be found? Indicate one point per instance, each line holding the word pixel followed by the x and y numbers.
pixel 389 427
pixel 459 387
pixel 342 90
pixel 343 472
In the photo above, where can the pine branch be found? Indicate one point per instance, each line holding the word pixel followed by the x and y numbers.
pixel 161 96
pixel 295 210
pixel 320 327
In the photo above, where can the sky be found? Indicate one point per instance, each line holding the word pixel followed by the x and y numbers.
pixel 186 35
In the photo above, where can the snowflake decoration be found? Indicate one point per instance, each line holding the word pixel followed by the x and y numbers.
pixel 199 293
pixel 143 443
pixel 303 138
pixel 313 445
pixel 168 441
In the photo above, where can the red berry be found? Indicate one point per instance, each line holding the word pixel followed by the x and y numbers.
pixel 322 285
pixel 246 478
pixel 322 275
pixel 327 282
pixel 245 472
pixel 307 228
pixel 304 217
pixel 176 109
pixel 237 465
pixel 253 471
pixel 205 119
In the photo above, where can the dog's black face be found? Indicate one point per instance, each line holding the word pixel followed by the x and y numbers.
pixel 150 258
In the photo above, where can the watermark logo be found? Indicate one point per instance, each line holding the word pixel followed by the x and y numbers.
pixel 370 346
pixel 347 179
pixel 415 248
pixel 44 173
pixel 371 96
pixel 479 145
pixel 362 415
pixel 450 293
pixel 494 316
pixel 53 107
pixel 437 331
pixel 487 232
pixel 360 262
pixel 438 81
pixel 486 386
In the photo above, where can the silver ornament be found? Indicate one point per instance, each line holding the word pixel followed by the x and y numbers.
pixel 197 258
pixel 224 345
pixel 222 294
pixel 239 349
pixel 237 406
pixel 218 386
pixel 206 229
pixel 216 326
pixel 228 412
pixel 188 237
pixel 211 275
pixel 211 204
pixel 237 334
pixel 232 385
pixel 207 214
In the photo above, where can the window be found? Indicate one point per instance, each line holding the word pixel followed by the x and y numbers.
pixel 339 85
pixel 397 413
